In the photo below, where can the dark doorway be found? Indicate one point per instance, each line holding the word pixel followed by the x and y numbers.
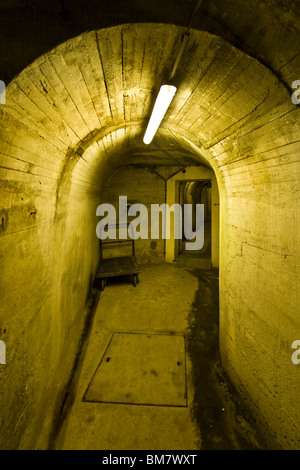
pixel 196 192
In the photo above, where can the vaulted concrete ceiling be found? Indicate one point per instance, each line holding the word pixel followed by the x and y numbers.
pixel 89 100
pixel 99 88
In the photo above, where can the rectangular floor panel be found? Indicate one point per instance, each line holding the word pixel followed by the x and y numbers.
pixel 141 369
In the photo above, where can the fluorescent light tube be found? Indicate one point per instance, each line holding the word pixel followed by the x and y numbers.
pixel 163 100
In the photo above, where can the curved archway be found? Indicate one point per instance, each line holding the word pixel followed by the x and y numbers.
pixel 75 115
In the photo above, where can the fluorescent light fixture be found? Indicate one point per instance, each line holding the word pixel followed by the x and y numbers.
pixel 163 100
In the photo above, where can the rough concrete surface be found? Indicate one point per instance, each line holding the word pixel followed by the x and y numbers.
pixel 78 113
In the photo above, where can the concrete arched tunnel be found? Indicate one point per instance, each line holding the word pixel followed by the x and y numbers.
pixel 72 131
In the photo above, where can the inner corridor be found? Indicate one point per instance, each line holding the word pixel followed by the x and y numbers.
pixel 204 352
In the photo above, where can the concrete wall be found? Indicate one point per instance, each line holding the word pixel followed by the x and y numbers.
pixel 259 298
pixel 49 254
pixel 140 186
pixel 47 266
pixel 259 270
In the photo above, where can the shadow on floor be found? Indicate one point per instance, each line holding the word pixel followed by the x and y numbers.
pixel 224 421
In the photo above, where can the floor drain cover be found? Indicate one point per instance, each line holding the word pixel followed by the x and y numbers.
pixel 141 369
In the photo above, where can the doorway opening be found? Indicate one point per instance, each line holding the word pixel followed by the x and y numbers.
pixel 196 192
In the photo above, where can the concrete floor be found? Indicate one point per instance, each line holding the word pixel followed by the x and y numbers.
pixel 175 302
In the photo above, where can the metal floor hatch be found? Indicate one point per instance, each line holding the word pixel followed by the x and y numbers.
pixel 141 369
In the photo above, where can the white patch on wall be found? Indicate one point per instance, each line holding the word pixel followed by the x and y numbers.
pixel 2 353
pixel 295 95
pixel 2 92
pixel 296 354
